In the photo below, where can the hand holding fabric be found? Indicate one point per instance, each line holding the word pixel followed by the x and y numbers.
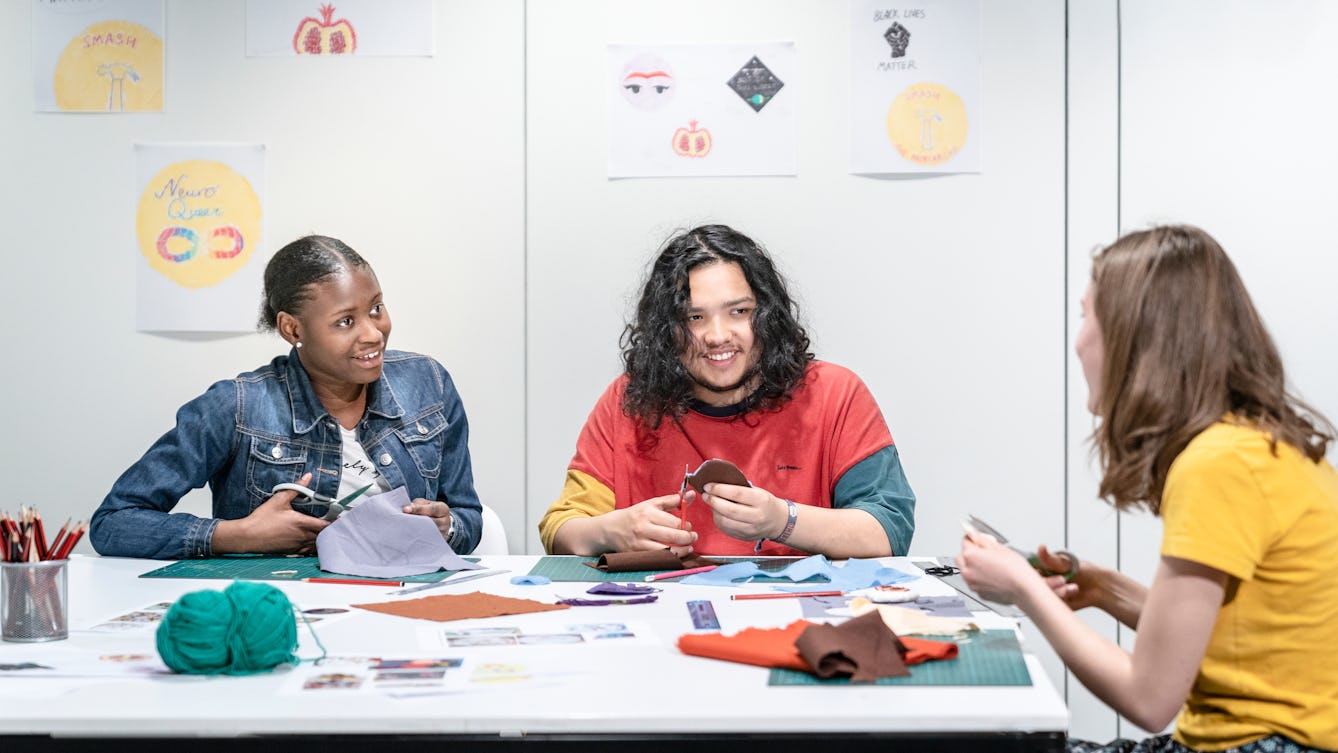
pixel 745 512
pixel 439 512
pixel 650 524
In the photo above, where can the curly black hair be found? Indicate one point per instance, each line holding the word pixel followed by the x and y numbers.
pixel 295 268
pixel 659 385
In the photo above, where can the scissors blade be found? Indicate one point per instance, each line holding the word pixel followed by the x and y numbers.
pixel 986 528
pixel 344 502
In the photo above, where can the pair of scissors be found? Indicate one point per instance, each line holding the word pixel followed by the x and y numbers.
pixel 972 524
pixel 336 507
pixel 682 498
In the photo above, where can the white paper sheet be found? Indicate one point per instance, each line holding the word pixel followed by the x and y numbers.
pixel 198 232
pixel 915 87
pixel 673 111
pixel 344 27
pixel 97 55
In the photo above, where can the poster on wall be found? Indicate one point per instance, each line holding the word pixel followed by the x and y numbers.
pixel 198 236
pixel 915 87
pixel 341 27
pixel 702 109
pixel 97 55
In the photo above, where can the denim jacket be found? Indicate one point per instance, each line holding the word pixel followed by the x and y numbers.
pixel 267 427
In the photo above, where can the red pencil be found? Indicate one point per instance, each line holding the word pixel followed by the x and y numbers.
pixel 785 595
pixel 59 541
pixel 70 540
pixel 40 536
pixel 353 582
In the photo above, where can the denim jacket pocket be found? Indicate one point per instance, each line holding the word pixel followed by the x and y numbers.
pixel 423 439
pixel 272 461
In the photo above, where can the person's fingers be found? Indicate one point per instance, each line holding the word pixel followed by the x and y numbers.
pixel 666 502
pixel 312 525
pixel 286 496
pixel 1057 563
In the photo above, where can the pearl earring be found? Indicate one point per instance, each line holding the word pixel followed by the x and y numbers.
pixel 299 343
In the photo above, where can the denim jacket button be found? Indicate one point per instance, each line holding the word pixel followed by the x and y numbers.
pixel 385 458
pixel 422 429
pixel 277 452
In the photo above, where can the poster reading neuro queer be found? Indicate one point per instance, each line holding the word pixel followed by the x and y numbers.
pixel 702 109
pixel 915 87
pixel 197 236
pixel 97 55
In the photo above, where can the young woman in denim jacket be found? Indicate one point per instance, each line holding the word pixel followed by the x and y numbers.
pixel 335 414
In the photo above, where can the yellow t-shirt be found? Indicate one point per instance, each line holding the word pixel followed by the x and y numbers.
pixel 1271 524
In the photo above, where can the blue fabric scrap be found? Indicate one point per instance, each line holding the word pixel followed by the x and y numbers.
pixel 855 574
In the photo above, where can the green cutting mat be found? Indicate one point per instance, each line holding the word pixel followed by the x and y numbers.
pixel 990 657
pixel 256 567
pixel 574 569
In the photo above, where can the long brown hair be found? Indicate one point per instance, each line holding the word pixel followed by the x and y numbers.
pixel 1183 346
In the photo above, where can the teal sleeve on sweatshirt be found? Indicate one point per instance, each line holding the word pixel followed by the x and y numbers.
pixel 878 486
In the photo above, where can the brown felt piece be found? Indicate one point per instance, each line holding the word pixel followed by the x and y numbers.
pixel 717 471
pixel 862 648
pixel 659 559
pixel 460 607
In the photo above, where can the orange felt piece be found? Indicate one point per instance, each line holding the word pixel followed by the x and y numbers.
pixel 920 650
pixel 774 647
pixel 460 607
pixel 764 647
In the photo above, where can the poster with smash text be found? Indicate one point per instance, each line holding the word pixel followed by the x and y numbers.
pixel 339 28
pixel 915 87
pixel 198 236
pixel 702 109
pixel 97 55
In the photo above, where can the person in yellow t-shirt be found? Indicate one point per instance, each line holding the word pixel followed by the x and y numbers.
pixel 1196 425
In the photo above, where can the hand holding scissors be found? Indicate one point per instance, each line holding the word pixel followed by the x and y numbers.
pixel 336 506
pixel 273 527
pixel 972 524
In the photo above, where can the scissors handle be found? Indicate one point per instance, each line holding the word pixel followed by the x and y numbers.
pixel 310 494
pixel 1068 574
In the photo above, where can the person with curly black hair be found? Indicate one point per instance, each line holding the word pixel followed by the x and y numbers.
pixel 717 365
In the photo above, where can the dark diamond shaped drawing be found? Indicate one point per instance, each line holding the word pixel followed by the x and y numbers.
pixel 899 37
pixel 756 84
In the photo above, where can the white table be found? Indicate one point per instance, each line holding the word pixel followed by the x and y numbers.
pixel 607 695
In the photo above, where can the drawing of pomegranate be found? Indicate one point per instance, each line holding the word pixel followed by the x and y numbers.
pixel 326 35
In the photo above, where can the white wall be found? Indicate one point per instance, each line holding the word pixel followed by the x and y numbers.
pixel 415 162
pixel 474 182
pixel 944 293
pixel 1223 119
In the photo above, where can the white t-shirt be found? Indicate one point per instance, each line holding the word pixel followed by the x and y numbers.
pixel 359 470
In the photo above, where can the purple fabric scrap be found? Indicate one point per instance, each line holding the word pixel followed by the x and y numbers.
pixel 622 589
pixel 606 602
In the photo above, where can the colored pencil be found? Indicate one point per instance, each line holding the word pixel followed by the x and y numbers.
pixel 681 573
pixel 784 595
pixel 71 539
pixel 354 582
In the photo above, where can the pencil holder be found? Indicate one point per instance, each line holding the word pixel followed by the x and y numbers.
pixel 34 601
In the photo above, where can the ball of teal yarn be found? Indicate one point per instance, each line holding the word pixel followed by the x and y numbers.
pixel 244 629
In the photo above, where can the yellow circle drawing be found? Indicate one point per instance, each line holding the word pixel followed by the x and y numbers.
pixel 112 66
pixel 197 222
pixel 927 124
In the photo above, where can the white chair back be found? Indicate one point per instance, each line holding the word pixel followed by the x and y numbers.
pixel 493 539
